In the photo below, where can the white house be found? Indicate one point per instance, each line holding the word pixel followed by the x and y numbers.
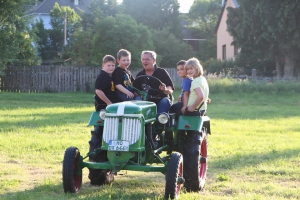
pixel 42 10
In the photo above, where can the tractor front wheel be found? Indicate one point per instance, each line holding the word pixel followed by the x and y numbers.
pixel 195 160
pixel 174 176
pixel 71 172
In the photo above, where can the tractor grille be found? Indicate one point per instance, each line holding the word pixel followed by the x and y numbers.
pixel 131 129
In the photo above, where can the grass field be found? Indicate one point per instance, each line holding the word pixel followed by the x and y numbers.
pixel 254 150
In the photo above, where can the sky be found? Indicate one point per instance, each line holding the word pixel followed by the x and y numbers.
pixel 185 5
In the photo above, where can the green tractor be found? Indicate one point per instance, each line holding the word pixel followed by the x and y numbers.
pixel 135 137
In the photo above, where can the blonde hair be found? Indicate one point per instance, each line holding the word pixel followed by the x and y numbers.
pixel 195 63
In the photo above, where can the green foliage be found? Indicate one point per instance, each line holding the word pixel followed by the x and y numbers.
pixel 237 86
pixel 217 67
pixel 223 177
pixel 43 42
pixel 120 32
pixel 242 65
pixel 203 17
pixel 105 32
pixel 170 48
pixel 60 15
pixel 264 67
pixel 79 47
pixel 155 14
pixel 269 29
pixel 15 36
pixel 104 8
pixel 51 41
pixel 213 66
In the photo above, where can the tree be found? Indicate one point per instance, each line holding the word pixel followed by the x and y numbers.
pixel 79 48
pixel 16 38
pixel 51 41
pixel 268 28
pixel 43 40
pixel 203 17
pixel 103 35
pixel 108 36
pixel 104 8
pixel 155 14
pixel 58 16
pixel 170 49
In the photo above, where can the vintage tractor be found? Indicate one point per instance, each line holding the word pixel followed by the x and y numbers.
pixel 135 137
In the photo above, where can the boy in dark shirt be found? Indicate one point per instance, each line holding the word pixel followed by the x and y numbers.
pixel 104 87
pixel 104 96
pixel 122 77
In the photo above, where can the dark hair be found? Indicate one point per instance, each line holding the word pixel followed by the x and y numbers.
pixel 108 58
pixel 181 62
pixel 123 52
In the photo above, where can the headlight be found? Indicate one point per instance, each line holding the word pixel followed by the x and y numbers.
pixel 102 114
pixel 163 118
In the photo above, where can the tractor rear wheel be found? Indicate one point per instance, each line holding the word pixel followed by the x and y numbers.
pixel 195 160
pixel 71 174
pixel 174 176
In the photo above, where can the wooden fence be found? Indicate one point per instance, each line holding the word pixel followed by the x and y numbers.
pixel 56 78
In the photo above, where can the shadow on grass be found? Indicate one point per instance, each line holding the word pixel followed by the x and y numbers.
pixel 252 159
pixel 135 188
pixel 43 119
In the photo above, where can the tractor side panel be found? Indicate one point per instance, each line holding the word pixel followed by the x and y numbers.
pixel 190 123
pixel 95 119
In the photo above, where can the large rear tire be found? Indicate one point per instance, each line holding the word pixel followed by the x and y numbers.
pixel 195 160
pixel 72 175
pixel 174 176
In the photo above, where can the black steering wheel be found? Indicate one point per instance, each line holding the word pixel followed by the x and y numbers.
pixel 143 83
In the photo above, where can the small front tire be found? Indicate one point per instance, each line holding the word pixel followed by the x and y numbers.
pixel 71 172
pixel 174 176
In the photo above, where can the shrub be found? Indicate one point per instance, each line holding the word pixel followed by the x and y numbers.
pixel 230 86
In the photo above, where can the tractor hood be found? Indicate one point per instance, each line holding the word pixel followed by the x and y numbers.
pixel 137 108
pixel 146 108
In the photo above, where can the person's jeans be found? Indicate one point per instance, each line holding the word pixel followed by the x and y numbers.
pixel 164 105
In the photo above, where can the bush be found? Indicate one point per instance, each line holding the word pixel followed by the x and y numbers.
pixel 232 86
pixel 216 66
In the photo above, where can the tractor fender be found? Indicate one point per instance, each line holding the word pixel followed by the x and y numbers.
pixel 193 123
pixel 95 119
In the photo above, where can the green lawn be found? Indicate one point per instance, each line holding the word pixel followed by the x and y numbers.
pixel 254 150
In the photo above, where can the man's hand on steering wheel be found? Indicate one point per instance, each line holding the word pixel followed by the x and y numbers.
pixel 165 89
pixel 143 83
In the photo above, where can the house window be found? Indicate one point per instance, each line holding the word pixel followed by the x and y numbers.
pixel 224 52
pixel 236 51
